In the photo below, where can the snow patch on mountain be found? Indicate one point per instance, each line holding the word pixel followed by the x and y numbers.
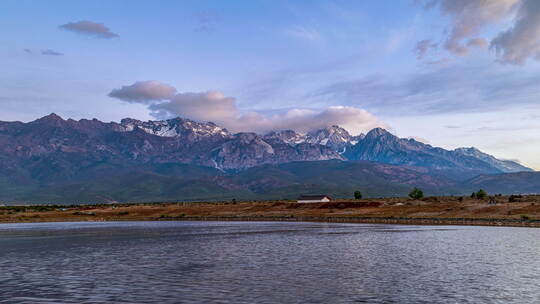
pixel 175 127
pixel 378 145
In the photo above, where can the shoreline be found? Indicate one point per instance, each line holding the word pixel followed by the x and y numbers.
pixel 344 220
pixel 400 211
pixel 374 220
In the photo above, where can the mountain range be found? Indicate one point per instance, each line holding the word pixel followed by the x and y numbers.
pixel 56 160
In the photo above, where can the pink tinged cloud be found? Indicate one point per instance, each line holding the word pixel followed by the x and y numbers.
pixel 522 40
pixel 145 92
pixel 469 17
pixel 89 28
pixel 514 45
pixel 216 107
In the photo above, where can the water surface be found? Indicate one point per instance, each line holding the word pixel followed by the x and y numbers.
pixel 267 262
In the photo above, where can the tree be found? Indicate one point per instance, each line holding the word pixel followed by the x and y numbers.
pixel 357 195
pixel 416 193
pixel 473 195
pixel 481 194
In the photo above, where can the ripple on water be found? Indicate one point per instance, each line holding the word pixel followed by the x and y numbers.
pixel 261 262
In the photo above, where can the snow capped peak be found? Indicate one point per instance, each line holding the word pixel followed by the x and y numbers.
pixel 158 128
pixel 330 131
pixel 288 136
pixel 202 129
pixel 333 136
pixel 176 127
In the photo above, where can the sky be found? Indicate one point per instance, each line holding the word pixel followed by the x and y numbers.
pixel 450 73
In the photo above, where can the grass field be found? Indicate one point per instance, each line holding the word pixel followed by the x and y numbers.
pixel 524 211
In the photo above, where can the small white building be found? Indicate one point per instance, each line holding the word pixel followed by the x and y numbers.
pixel 314 198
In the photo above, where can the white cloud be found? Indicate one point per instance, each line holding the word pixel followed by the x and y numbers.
pixel 353 119
pixel 206 106
pixel 468 17
pixel 469 20
pixel 522 41
pixel 145 92
pixel 220 109
pixel 89 28
pixel 482 87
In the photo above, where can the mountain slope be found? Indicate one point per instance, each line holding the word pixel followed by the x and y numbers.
pixel 509 183
pixel 339 178
pixel 180 140
pixel 177 140
pixel 106 182
pixel 56 159
pixel 381 146
pixel 503 165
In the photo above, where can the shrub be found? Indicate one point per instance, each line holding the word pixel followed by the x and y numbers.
pixel 357 195
pixel 514 198
pixel 416 193
pixel 481 194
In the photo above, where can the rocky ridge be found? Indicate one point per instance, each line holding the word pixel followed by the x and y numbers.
pixel 186 141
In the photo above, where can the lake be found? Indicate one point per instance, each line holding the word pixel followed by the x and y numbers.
pixel 267 262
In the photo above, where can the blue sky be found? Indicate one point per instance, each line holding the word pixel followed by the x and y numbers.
pixel 449 72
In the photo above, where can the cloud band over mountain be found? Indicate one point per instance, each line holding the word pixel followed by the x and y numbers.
pixel 164 102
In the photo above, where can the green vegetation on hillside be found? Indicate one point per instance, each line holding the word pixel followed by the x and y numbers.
pixel 104 182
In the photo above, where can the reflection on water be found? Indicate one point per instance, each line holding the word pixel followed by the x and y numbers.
pixel 278 262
